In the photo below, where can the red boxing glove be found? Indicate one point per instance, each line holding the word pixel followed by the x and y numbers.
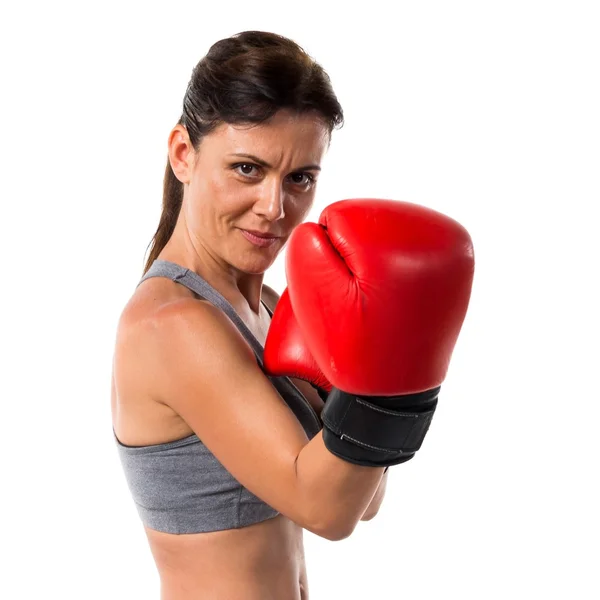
pixel 285 352
pixel 379 290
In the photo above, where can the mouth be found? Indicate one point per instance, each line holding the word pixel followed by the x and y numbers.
pixel 259 238
pixel 261 234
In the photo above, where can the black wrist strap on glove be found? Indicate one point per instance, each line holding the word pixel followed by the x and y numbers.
pixel 377 431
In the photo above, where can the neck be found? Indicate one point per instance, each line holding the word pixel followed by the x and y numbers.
pixel 234 285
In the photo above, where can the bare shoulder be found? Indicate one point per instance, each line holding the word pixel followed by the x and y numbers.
pixel 146 302
pixel 163 321
pixel 187 329
pixel 139 318
pixel 138 415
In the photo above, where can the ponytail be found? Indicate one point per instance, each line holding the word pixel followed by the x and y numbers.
pixel 172 199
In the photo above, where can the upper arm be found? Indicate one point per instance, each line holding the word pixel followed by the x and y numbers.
pixel 202 367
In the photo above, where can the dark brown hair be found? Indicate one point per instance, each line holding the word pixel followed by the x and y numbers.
pixel 245 78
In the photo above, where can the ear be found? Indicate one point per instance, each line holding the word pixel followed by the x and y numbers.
pixel 181 153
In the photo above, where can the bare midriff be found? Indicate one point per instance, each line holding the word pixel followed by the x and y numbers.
pixel 264 561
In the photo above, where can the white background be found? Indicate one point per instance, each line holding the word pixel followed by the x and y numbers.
pixel 487 111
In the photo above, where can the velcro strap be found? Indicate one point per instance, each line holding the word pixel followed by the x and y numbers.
pixel 356 420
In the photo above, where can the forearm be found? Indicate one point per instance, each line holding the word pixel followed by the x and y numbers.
pixel 375 504
pixel 336 493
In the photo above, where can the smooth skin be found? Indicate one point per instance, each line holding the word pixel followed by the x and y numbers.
pixel 181 367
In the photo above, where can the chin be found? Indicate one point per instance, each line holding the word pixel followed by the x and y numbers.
pixel 254 269
pixel 253 266
pixel 255 262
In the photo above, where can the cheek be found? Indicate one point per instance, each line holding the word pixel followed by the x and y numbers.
pixel 215 186
pixel 298 209
pixel 225 194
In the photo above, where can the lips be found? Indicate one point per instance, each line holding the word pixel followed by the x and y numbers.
pixel 259 238
pixel 261 234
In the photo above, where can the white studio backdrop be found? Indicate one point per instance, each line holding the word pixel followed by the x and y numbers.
pixel 486 111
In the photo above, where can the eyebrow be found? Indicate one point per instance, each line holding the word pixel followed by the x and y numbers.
pixel 268 166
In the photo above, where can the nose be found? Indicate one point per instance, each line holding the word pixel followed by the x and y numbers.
pixel 269 203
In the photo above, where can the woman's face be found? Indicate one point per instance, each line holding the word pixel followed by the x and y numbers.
pixel 252 178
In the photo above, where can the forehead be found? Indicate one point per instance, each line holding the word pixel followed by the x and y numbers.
pixel 284 134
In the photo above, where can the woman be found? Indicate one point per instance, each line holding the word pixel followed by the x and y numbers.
pixel 224 475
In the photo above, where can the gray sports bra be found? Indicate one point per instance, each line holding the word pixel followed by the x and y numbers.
pixel 179 486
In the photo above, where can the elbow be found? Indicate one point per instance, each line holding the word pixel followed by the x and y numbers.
pixel 335 531
pixel 337 535
pixel 368 516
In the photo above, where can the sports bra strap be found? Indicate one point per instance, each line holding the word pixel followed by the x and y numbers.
pixel 193 281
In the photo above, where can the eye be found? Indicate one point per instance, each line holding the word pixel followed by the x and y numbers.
pixel 299 179
pixel 246 169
